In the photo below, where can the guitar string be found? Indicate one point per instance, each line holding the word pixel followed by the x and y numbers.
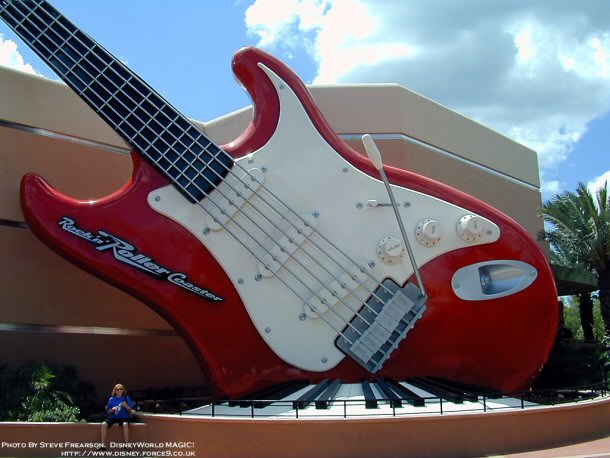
pixel 360 300
pixel 238 193
pixel 339 332
pixel 146 124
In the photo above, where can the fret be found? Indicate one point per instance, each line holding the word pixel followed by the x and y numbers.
pixel 167 139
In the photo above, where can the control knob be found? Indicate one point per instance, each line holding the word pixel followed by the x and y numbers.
pixel 470 228
pixel 428 232
pixel 390 250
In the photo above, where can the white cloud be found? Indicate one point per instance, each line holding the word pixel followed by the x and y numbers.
pixel 539 72
pixel 10 57
pixel 598 182
pixel 551 187
pixel 286 22
pixel 343 46
pixel 320 27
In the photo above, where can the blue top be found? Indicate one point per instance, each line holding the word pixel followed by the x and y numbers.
pixel 122 412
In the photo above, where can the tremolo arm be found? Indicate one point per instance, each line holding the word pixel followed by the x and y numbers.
pixel 391 311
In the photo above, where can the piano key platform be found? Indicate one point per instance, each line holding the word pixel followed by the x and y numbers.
pixel 384 398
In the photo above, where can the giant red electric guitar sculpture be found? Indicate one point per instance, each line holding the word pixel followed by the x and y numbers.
pixel 278 256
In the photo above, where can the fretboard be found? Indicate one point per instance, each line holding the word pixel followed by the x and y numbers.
pixel 156 130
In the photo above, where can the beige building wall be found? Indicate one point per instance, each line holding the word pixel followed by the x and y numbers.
pixel 52 311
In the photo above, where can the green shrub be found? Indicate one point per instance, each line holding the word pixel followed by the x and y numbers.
pixel 573 363
pixel 43 393
pixel 47 403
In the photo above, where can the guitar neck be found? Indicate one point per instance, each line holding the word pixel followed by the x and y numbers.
pixel 156 130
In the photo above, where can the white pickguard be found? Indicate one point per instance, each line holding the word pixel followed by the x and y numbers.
pixel 305 173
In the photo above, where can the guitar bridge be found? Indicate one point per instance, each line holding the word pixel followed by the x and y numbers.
pixel 381 324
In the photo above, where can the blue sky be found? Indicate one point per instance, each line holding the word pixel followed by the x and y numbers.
pixel 537 71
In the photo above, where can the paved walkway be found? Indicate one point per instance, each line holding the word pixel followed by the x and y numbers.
pixel 597 448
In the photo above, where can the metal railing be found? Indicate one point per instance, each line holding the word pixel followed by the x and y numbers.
pixel 196 401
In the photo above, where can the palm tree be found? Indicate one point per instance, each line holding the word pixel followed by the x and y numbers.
pixel 580 232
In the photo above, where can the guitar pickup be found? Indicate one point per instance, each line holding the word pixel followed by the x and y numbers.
pixel 233 193
pixel 336 291
pixel 288 244
pixel 380 325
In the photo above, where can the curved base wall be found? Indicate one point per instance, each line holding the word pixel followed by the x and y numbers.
pixel 451 435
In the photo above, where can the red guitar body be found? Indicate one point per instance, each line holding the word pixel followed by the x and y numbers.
pixel 500 343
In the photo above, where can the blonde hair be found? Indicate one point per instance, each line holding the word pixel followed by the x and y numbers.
pixel 118 386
